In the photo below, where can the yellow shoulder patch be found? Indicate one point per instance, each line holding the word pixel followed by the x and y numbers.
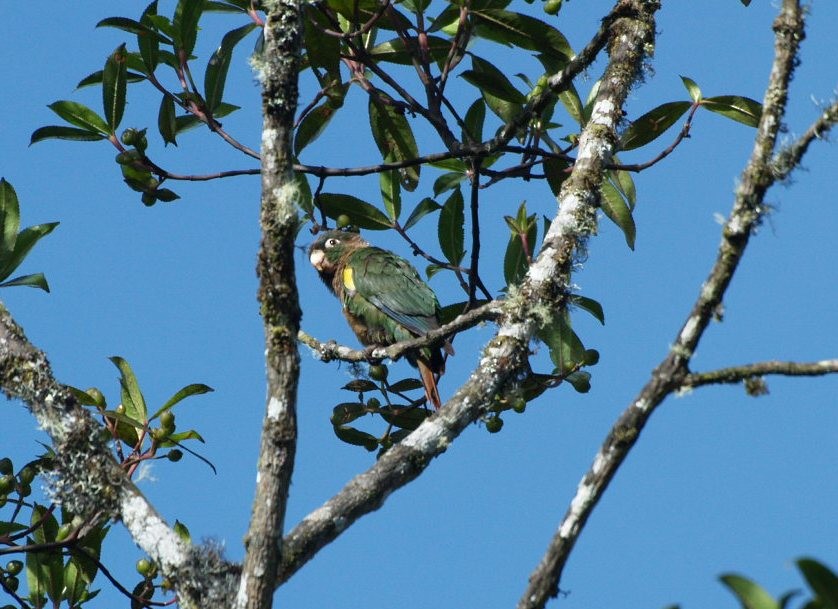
pixel 348 280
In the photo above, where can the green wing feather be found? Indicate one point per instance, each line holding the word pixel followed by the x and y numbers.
pixel 392 285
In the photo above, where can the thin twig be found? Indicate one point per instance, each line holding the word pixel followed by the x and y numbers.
pixel 737 374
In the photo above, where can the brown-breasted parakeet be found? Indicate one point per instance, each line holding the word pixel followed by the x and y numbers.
pixel 383 298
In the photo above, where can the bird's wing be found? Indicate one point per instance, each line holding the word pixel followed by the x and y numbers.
pixel 392 285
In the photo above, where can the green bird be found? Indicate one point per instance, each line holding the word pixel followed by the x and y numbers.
pixel 382 297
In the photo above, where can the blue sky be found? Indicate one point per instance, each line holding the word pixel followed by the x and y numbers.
pixel 718 481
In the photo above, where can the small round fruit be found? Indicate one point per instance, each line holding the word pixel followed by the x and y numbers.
pixel 11 583
pixel 494 425
pixel 129 137
pixel 26 475
pixel 342 221
pixel 64 532
pixel 6 466
pixel 174 455
pixel 552 7
pixel 373 403
pixel 148 199
pixel 7 484
pixel 167 420
pixel 378 372
pixel 519 404
pixel 13 567
pixel 145 567
pixel 25 490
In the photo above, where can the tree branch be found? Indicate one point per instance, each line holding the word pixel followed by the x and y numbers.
pixel 668 376
pixel 737 374
pixel 279 303
pixel 789 159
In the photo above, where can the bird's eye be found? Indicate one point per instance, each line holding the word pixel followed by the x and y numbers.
pixel 332 242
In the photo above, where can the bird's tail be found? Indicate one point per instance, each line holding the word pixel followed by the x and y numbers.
pixel 429 381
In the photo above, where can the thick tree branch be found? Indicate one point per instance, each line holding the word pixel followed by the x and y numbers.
pixel 503 364
pixel 668 376
pixel 737 374
pixel 279 302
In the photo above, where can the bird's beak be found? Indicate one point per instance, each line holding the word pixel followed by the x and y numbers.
pixel 316 258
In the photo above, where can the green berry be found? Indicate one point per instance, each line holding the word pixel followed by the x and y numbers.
pixel 7 484
pixel 174 455
pixel 373 403
pixel 343 221
pixel 12 583
pixel 129 137
pixel 519 404
pixel 148 199
pixel 378 372
pixel 494 425
pixel 145 567
pixel 591 357
pixel 6 466
pixel 13 567
pixel 25 490
pixel 26 475
pixel 167 420
pixel 552 7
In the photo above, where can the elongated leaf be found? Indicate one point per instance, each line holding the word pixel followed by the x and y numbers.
pixel 506 110
pixel 360 386
pixel 347 412
pixel 134 27
pixel 361 213
pixel 60 132
pixel 566 349
pixel 391 193
pixel 114 87
pixel 590 305
pixel 625 184
pixel 49 565
pixel 167 121
pixel 821 580
pixel 350 435
pixel 131 396
pixel 522 31
pixel 81 116
pixel 405 417
pixel 394 138
pixel 652 124
pixel 396 51
pixel 322 50
pixel 149 44
pixel 224 7
pixel 618 212
pixel 750 594
pixel 95 78
pixel 692 88
pixel 182 394
pixel 26 240
pixel 451 228
pixel 422 209
pixel 571 101
pixel 312 126
pixel 741 109
pixel 187 15
pixel 473 121
pixel 408 384
pixel 36 280
pixel 215 76
pixel 9 217
pixel 515 262
pixel 494 84
pixel 448 181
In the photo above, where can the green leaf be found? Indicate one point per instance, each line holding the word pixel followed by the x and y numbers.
pixel 304 198
pixel 515 261
pixel 451 228
pixel 114 87
pixel 322 50
pixel 396 51
pixel 347 412
pixel 9 217
pixel 821 580
pixel 615 207
pixel 149 44
pixel 81 116
pixel 571 101
pixel 473 122
pixel 59 132
pixel 750 594
pixel 555 172
pixel 506 110
pixel 36 280
pixel 566 349
pixel 224 7
pixel 652 125
pixel 360 386
pixel 408 384
pixel 134 27
pixel 391 193
pixel 361 213
pixel 519 30
pixel 405 417
pixel 350 435
pixel 312 126
pixel 623 181
pixel 215 76
pixel 167 121
pixel 182 394
pixel 182 531
pixel 448 181
pixel 394 139
pixel 187 15
pixel 494 84
pixel 47 567
pixel 741 109
pixel 189 434
pixel 131 396
pixel 422 209
pixel 590 305
pixel 692 88
pixel 26 240
pixel 580 379
pixel 96 79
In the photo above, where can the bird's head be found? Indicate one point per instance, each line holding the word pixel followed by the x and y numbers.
pixel 326 252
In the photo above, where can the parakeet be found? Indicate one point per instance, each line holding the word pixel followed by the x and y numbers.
pixel 383 298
